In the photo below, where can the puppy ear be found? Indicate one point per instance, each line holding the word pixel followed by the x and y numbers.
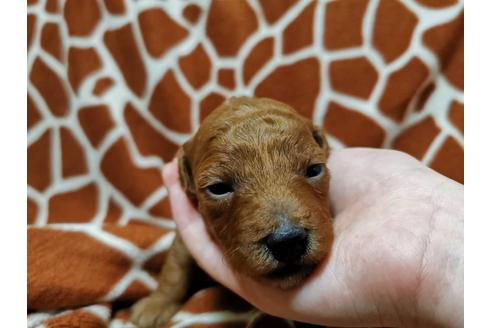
pixel 320 138
pixel 186 173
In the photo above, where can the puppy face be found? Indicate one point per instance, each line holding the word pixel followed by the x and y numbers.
pixel 256 170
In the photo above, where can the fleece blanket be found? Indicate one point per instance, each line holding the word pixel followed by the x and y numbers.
pixel 115 86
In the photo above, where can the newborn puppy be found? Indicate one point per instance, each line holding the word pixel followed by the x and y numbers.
pixel 257 172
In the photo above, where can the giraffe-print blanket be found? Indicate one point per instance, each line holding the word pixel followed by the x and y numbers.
pixel 115 86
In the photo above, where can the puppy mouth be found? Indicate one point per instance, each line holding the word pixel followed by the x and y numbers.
pixel 291 270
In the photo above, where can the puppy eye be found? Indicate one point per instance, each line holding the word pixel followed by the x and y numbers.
pixel 220 189
pixel 314 170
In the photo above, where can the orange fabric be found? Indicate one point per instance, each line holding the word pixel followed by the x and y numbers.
pixel 114 87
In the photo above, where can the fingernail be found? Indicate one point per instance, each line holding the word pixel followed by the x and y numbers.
pixel 165 173
pixel 168 173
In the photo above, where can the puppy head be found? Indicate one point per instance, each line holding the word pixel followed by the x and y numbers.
pixel 256 170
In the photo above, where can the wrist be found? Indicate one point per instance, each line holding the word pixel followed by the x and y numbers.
pixel 440 294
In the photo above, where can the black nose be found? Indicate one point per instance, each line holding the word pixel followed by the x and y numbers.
pixel 288 243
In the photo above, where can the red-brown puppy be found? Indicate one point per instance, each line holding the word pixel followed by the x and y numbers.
pixel 256 170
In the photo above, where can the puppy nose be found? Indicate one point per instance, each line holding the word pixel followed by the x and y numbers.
pixel 288 243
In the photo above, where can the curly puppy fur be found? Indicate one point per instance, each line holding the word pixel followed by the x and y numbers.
pixel 256 170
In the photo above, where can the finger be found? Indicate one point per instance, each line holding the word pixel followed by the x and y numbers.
pixel 185 212
pixel 190 224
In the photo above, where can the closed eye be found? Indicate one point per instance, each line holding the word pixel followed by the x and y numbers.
pixel 314 171
pixel 218 190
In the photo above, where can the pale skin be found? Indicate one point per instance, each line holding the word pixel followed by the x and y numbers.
pixel 397 256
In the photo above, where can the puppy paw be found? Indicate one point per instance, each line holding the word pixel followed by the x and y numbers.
pixel 153 311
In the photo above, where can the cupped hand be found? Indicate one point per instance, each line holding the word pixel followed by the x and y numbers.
pixel 397 255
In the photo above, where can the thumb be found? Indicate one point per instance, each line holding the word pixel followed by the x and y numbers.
pixel 183 211
pixel 193 231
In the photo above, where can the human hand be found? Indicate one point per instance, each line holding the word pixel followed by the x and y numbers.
pixel 397 254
